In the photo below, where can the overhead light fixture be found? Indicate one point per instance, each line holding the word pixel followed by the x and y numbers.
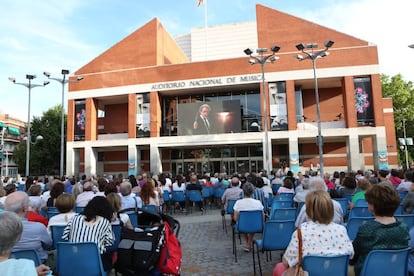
pixel 248 51
pixel 12 79
pixel 300 46
pixel 329 43
pixel 30 77
pixel 65 71
pixel 47 74
pixel 275 49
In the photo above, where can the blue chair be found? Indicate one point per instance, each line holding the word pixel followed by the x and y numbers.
pixel 407 219
pixel 133 217
pixel 286 196
pixel 21 187
pixel 399 210
pixel 275 188
pixel 208 194
pixel 386 262
pixel 177 196
pixel 402 194
pixel 276 236
pixel 150 208
pixel 283 214
pixel 52 209
pixel 166 198
pixel 29 254
pixel 361 203
pixel 277 204
pixel 344 204
pixel 228 211
pixel 51 214
pixel 353 225
pixel 326 265
pixel 79 209
pixel 359 212
pixel 116 229
pixel 249 222
pixel 56 233
pixel 218 193
pixel 79 259
pixel 194 196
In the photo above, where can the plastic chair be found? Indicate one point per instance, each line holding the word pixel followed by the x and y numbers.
pixel 326 265
pixel 177 196
pixel 361 203
pixel 399 210
pixel 359 212
pixel 249 222
pixel 51 214
pixel 218 193
pixel 275 188
pixel 133 217
pixel 353 225
pixel 56 233
pixel 402 194
pixel 407 219
pixel 286 196
pixel 283 214
pixel 277 204
pixel 194 196
pixel 207 193
pixel 276 236
pixel 228 211
pixel 79 259
pixel 79 209
pixel 150 208
pixel 30 254
pixel 116 229
pixel 166 198
pixel 344 204
pixel 386 262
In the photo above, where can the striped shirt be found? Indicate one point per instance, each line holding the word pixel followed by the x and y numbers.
pixel 99 232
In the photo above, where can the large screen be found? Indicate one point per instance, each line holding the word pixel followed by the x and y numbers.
pixel 209 117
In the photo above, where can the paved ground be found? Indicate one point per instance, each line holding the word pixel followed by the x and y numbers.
pixel 207 249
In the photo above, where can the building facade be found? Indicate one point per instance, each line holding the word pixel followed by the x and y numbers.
pixel 139 107
pixel 10 129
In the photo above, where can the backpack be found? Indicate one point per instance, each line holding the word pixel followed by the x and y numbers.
pixel 171 255
pixel 139 249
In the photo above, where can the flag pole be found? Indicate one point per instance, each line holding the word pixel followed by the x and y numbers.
pixel 205 29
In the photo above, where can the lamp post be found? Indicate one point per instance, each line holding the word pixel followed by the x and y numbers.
pixel 262 56
pixel 29 85
pixel 314 54
pixel 405 145
pixel 62 81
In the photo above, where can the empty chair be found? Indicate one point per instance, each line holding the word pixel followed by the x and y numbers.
pixel 166 198
pixel 249 222
pixel 386 262
pixel 281 204
pixel 30 254
pixel 283 214
pixel 56 232
pixel 207 193
pixel 326 265
pixel 275 188
pixel 286 196
pixel 407 219
pixel 79 259
pixel 276 236
pixel 359 212
pixel 228 211
pixel 353 225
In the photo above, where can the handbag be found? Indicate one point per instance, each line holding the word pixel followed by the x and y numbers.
pixel 297 270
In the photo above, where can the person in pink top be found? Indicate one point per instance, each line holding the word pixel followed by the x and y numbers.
pixel 287 186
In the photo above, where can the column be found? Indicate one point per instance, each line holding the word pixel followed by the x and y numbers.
pixel 91 157
pixel 70 160
pixel 379 150
pixel 134 156
pixel 355 158
pixel 293 152
pixel 155 159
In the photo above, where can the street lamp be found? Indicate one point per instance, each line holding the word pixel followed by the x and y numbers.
pixel 29 85
pixel 262 57
pixel 314 54
pixel 62 81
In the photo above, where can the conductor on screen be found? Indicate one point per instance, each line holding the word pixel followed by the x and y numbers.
pixel 201 123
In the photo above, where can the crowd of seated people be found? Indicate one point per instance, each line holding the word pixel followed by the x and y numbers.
pixel 134 192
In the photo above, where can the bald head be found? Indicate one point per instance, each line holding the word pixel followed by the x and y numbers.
pixel 17 202
pixel 125 188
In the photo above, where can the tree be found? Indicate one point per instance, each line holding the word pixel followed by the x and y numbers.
pixel 45 154
pixel 402 94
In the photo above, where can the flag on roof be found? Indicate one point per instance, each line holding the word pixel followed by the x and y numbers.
pixel 199 2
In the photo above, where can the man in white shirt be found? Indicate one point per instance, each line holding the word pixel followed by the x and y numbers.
pixel 88 193
pixel 128 199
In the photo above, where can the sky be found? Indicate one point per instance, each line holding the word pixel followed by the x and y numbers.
pixel 51 35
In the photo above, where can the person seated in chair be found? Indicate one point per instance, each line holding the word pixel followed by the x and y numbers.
pixel 247 203
pixel 11 228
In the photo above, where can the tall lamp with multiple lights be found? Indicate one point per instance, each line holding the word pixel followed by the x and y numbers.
pixel 28 139
pixel 262 56
pixel 62 81
pixel 310 51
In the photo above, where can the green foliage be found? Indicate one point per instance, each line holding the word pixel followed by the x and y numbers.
pixel 45 154
pixel 402 94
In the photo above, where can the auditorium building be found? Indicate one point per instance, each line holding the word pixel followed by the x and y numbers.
pixel 140 105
